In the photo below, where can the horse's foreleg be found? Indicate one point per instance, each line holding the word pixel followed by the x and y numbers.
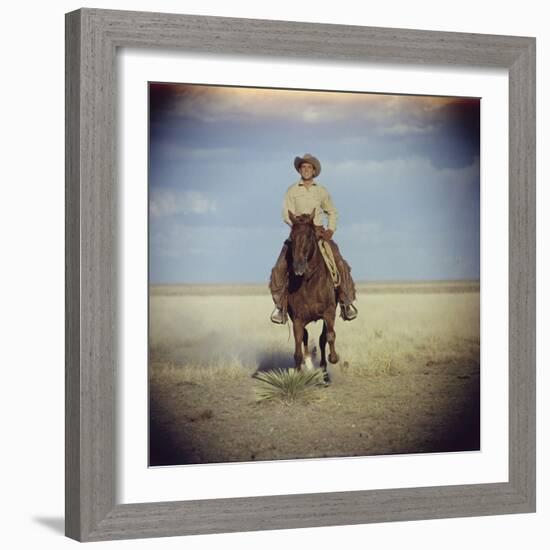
pixel 307 355
pixel 298 327
pixel 331 338
pixel 322 347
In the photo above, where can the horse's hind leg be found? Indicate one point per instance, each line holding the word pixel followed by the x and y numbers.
pixel 323 345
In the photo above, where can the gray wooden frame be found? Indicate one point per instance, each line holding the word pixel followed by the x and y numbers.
pixel 92 39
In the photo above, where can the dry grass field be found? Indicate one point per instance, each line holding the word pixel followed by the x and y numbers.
pixel 407 380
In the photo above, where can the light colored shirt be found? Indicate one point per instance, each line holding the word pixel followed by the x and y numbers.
pixel 300 199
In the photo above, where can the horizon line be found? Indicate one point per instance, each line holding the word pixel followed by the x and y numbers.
pixel 362 281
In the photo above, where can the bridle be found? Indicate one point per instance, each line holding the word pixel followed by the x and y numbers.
pixel 312 246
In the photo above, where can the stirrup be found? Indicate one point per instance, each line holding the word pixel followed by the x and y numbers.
pixel 349 312
pixel 278 317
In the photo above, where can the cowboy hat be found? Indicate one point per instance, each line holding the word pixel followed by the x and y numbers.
pixel 308 158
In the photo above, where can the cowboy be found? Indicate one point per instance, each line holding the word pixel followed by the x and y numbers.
pixel 303 197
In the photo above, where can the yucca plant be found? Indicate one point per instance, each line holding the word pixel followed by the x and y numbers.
pixel 287 385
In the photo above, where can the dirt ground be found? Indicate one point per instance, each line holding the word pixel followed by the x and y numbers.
pixel 407 381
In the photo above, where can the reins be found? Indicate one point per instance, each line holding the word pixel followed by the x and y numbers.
pixel 330 262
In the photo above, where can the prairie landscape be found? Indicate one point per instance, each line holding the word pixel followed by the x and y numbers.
pixel 407 381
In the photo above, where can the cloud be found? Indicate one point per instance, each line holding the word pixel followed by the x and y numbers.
pixel 174 151
pixel 232 104
pixel 378 172
pixel 199 123
pixel 179 240
pixel 169 202
pixel 402 129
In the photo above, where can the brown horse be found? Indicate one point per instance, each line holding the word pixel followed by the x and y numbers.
pixel 311 293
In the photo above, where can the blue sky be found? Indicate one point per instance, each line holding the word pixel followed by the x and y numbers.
pixel 403 172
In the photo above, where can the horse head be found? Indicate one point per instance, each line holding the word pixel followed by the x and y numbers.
pixel 303 241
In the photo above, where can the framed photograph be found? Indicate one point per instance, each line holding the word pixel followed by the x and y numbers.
pixel 217 367
pixel 285 262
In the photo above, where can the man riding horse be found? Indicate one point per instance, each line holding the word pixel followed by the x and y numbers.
pixel 305 197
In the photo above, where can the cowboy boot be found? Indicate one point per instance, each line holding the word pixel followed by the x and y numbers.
pixel 348 312
pixel 278 316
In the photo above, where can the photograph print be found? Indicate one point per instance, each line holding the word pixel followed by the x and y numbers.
pixel 314 274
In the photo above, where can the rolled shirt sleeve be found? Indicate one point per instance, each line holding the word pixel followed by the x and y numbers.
pixel 330 210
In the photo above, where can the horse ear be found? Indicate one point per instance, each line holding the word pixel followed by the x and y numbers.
pixel 292 217
pixel 312 215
